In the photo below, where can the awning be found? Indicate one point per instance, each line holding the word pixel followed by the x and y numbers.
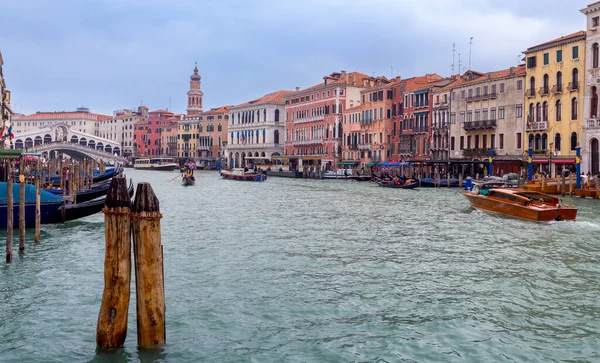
pixel 309 157
pixel 347 162
pixel 258 157
pixel 371 163
pixel 385 163
pixel 555 161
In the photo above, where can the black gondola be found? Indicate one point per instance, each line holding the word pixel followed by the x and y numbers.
pixel 411 185
pixel 187 180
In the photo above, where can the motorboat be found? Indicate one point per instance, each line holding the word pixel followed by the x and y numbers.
pixel 155 164
pixel 243 175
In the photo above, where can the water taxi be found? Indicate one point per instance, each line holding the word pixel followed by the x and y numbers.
pixel 532 205
pixel 155 164
pixel 244 175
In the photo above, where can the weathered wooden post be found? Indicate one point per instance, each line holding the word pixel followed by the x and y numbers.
pixel 460 180
pixel 149 274
pixel 21 203
pixel 112 319
pixel 9 213
pixel 37 200
pixel 571 184
pixel 563 183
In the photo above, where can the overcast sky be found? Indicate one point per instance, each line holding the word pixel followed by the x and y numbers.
pixel 115 54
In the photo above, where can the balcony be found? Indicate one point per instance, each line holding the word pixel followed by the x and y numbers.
pixel 592 123
pixel 530 93
pixel 421 105
pixel 493 95
pixel 309 119
pixel 405 150
pixel 544 91
pixel 537 126
pixel 308 142
pixel 479 125
pixel 365 147
pixel 478 152
pixel 252 146
pixel 485 96
pixel 470 99
pixel 419 129
pixel 477 98
pixel 557 89
pixel 573 86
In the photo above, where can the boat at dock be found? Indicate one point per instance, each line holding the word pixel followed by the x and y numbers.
pixel 550 185
pixel 165 164
pixel 87 194
pixel 442 183
pixel 242 175
pixel 49 204
pixel 526 204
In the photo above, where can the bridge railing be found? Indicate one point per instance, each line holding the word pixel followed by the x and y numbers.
pixel 97 153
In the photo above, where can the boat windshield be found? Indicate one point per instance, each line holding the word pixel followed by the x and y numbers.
pixel 161 161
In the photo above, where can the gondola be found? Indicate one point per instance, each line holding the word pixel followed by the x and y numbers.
pixel 86 195
pixel 50 203
pixel 187 180
pixel 80 210
pixel 411 185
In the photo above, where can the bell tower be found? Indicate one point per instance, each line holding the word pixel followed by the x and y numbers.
pixel 194 94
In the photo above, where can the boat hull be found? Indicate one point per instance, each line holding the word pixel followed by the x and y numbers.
pixel 158 167
pixel 493 205
pixel 47 209
pixel 185 181
pixel 412 185
pixel 243 177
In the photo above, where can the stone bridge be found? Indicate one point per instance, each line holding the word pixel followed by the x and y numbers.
pixel 76 151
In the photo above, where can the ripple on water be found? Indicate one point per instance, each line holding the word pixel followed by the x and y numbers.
pixel 304 270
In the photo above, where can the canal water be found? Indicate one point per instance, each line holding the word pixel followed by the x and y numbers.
pixel 297 270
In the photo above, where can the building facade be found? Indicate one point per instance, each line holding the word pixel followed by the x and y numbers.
pixel 120 128
pixel 80 120
pixel 440 124
pixel 486 114
pixel 203 136
pixel 314 119
pixel 147 138
pixel 553 99
pixel 590 150
pixel 257 130
pixel 5 110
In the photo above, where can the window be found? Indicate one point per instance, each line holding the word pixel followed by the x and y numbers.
pixel 575 52
pixel 574 105
pixel 493 89
pixel 519 141
pixel 501 87
pixel 573 141
pixel 519 111
pixel 453 118
pixel 559 56
pixel 595 22
pixel 546 59
pixel 595 55
pixel 462 117
pixel 558 108
pixel 519 84
pixel 484 141
pixel 501 141
pixel 468 141
pixel 575 78
pixel 531 62
pixel 476 141
pixel 462 94
pixel 469 116
pixel 493 141
pixel 452 143
pixel 492 113
pixel 484 114
pixel 453 95
pixel 470 92
pixel 462 143
pixel 545 111
pixel 477 91
pixel 477 115
pixel 500 113
pixel 557 142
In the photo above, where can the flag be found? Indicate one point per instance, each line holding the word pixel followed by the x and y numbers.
pixel 10 133
pixel 529 121
pixel 2 131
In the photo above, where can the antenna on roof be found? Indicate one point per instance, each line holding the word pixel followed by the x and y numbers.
pixel 470 45
pixel 373 74
pixel 169 104
pixel 453 53
pixel 459 63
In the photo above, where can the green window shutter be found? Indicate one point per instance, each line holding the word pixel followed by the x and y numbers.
pixel 546 59
pixel 575 52
pixel 559 55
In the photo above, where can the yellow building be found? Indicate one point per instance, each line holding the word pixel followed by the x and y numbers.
pixel 554 99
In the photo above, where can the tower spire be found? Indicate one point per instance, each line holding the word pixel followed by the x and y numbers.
pixel 194 94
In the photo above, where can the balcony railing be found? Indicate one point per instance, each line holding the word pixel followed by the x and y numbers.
pixel 253 146
pixel 405 150
pixel 420 129
pixel 309 119
pixel 477 98
pixel 470 99
pixel 485 96
pixel 204 147
pixel 308 142
pixel 592 123
pixel 493 95
pixel 537 126
pixel 477 152
pixel 365 147
pixel 557 89
pixel 544 91
pixel 573 86
pixel 479 125
pixel 530 93
pixel 421 105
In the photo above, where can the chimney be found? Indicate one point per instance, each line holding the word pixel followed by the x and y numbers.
pixel 489 75
pixel 297 88
pixel 343 73
pixel 512 71
pixel 365 82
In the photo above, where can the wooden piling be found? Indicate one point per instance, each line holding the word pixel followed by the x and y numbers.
pixel 149 276
pixel 9 213
pixel 37 179
pixel 571 179
pixel 563 184
pixel 460 180
pixel 21 204
pixel 112 319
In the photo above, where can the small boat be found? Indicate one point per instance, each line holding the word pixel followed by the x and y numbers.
pixel 188 179
pixel 408 185
pixel 342 174
pixel 240 174
pixel 442 183
pixel 80 210
pixel 156 164
pixel 49 204
pixel 86 195
pixel 550 185
pixel 520 203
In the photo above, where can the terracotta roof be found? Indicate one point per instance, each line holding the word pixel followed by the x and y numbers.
pixel 276 97
pixel 413 83
pixel 352 77
pixel 161 111
pixel 504 73
pixel 58 116
pixel 580 33
pixel 351 109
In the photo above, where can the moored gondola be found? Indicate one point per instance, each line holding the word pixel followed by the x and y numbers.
pixel 409 185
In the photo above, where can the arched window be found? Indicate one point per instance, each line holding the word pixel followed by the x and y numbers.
pixel 532 85
pixel 531 112
pixel 557 142
pixel 220 128
pixel 595 55
pixel 546 84
pixel 333 108
pixel 574 108
pixel 544 141
pixel 558 108
pixel 573 140
pixel 538 142
pixel 559 81
pixel 531 145
pixel 594 108
pixel 276 115
pixel 575 80
pixel 276 137
pixel 545 111
pixel 538 112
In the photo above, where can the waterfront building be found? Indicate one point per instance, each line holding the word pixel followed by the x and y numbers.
pixel 412 101
pixel 486 114
pixel 553 100
pixel 168 137
pixel 194 94
pixel 256 130
pixel 440 126
pixel 147 134
pixel 351 150
pixel 203 136
pixel 590 151
pixel 81 120
pixel 5 109
pixel 120 127
pixel 314 119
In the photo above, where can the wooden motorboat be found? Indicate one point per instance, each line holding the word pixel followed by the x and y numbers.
pixel 188 179
pixel 240 174
pixel 587 192
pixel 407 185
pixel 521 203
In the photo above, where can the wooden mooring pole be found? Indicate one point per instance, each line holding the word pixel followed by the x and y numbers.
pixel 9 212
pixel 38 186
pixel 112 319
pixel 22 204
pixel 149 273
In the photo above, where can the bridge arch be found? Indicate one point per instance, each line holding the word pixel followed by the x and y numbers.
pixel 74 139
pixel 83 141
pixel 99 146
pixel 108 149
pixel 92 144
pixel 28 142
pixel 47 139
pixel 19 144
pixel 37 141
